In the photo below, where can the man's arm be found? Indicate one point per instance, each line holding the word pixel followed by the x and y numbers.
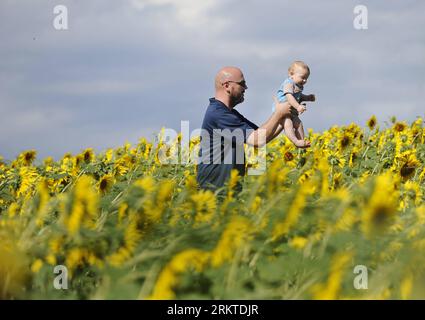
pixel 277 131
pixel 270 129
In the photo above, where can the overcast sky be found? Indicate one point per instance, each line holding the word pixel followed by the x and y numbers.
pixel 124 69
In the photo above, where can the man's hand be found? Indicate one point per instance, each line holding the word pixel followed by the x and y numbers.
pixel 301 108
pixel 282 109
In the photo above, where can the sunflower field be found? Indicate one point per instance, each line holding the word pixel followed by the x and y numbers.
pixel 127 226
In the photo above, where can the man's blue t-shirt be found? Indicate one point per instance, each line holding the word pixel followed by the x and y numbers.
pixel 224 132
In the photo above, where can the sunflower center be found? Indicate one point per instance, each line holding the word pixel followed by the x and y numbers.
pixel 406 170
pixel 345 141
pixel 103 184
pixel 381 215
pixel 289 156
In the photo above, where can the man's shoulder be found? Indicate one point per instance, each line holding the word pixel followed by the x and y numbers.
pixel 216 105
pixel 218 115
pixel 213 114
pixel 215 110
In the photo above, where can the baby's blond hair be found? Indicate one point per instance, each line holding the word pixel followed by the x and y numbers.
pixel 298 64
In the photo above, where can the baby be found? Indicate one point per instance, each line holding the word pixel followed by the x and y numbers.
pixel 291 92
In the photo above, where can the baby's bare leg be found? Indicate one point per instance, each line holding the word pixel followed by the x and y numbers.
pixel 288 126
pixel 299 129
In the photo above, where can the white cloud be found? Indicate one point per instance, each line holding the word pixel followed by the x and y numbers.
pixel 191 13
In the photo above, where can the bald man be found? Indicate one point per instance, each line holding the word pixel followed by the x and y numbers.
pixel 225 130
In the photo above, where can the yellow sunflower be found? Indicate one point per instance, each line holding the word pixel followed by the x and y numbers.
pixel 26 158
pixel 399 126
pixel 371 123
pixel 381 207
pixel 105 183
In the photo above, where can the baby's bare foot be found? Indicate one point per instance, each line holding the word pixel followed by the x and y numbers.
pixel 303 144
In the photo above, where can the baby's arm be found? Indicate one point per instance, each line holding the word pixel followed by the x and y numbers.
pixel 296 137
pixel 294 103
pixel 308 97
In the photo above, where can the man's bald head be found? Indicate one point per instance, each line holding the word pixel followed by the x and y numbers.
pixel 230 86
pixel 227 74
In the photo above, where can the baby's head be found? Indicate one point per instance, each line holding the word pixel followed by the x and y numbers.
pixel 299 72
